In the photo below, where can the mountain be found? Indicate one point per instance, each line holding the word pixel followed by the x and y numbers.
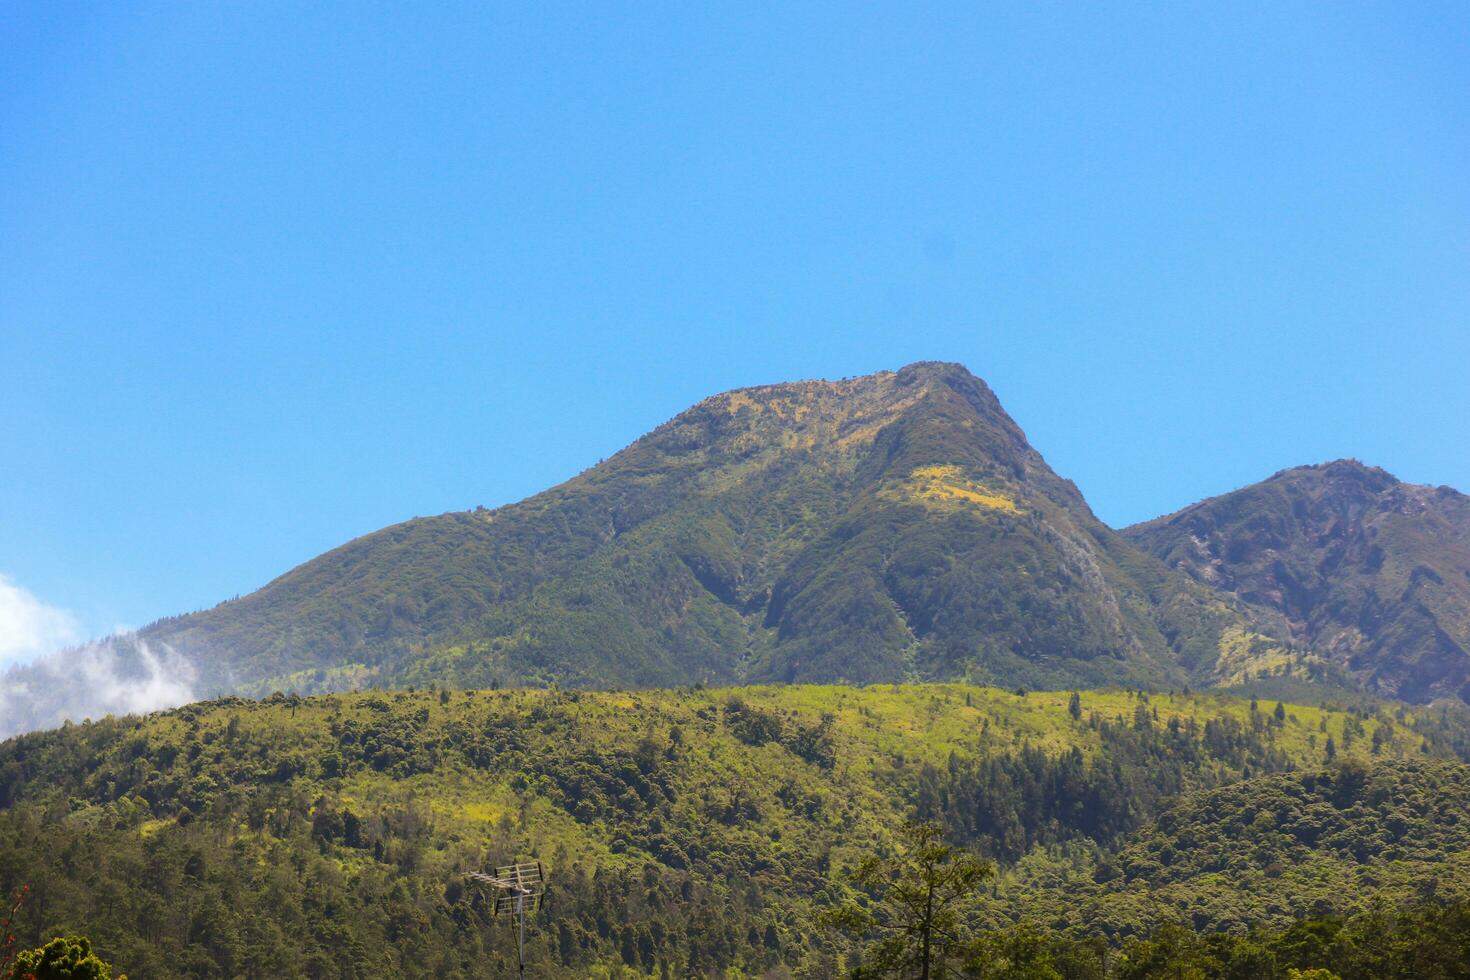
pixel 1371 573
pixel 891 527
pixel 700 833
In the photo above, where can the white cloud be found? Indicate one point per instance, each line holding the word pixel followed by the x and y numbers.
pixel 48 677
pixel 29 627
pixel 115 676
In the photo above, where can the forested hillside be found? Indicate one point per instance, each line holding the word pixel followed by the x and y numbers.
pixel 893 527
pixel 698 831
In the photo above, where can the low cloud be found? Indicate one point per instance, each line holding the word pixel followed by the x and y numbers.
pixel 118 675
pixel 29 627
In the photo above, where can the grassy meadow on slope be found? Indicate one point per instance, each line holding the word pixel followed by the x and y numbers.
pixel 690 831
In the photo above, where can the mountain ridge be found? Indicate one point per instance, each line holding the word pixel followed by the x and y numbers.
pixel 893 526
pixel 1371 572
pixel 896 526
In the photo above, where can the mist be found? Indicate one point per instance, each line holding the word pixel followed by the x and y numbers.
pixel 119 675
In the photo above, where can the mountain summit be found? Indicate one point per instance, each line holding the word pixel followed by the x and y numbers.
pixel 1370 572
pixel 891 527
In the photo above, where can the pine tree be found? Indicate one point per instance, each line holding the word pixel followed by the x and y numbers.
pixel 915 916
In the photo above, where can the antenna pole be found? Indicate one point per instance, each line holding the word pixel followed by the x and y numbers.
pixel 513 884
pixel 521 939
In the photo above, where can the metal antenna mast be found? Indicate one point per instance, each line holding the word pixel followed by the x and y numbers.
pixel 519 888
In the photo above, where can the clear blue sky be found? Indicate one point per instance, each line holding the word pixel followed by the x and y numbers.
pixel 273 278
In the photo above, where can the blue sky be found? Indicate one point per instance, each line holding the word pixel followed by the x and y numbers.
pixel 271 278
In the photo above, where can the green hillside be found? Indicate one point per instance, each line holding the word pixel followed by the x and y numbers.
pixel 1261 853
pixel 893 527
pixel 686 832
pixel 1371 575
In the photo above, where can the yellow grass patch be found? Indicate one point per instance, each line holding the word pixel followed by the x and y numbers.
pixel 947 487
pixel 1244 654
pixel 150 827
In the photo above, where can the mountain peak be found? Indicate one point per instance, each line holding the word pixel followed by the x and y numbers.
pixel 945 371
pixel 874 528
pixel 1369 571
pixel 1342 471
pixel 878 385
pixel 845 415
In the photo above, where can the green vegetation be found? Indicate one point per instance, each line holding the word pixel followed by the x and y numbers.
pixel 696 832
pixel 1277 848
pixel 1431 941
pixel 891 528
pixel 63 958
pixel 916 916
pixel 1426 943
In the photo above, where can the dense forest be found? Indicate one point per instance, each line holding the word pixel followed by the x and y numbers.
pixel 702 832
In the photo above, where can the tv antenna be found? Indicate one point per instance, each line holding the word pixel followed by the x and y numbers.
pixel 519 889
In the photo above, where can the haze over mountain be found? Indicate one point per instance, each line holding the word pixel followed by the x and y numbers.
pixel 1370 572
pixel 891 527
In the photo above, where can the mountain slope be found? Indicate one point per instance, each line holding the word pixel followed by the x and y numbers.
pixel 1370 572
pixel 890 527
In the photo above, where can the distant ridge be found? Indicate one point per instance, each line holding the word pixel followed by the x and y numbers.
pixel 1370 572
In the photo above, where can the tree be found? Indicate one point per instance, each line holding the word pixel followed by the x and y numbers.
pixel 1074 706
pixel 915 917
pixel 68 958
pixel 1382 735
pixel 7 934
